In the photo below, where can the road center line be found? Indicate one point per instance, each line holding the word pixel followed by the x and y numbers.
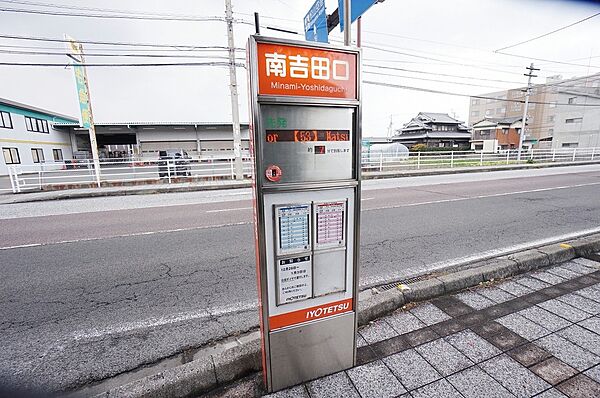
pixel 164 231
pixel 483 196
pixel 247 208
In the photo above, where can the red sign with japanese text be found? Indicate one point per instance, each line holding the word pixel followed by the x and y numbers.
pixel 305 72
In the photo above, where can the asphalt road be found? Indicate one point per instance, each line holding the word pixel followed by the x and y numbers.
pixel 94 287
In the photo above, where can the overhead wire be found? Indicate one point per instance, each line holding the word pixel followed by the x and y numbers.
pixel 62 65
pixel 92 54
pixel 433 91
pixel 440 74
pixel 113 16
pixel 548 33
pixel 118 43
pixel 428 80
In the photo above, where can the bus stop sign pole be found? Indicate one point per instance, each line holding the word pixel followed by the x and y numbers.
pixel 305 144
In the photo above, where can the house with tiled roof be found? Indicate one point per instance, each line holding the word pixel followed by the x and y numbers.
pixel 434 130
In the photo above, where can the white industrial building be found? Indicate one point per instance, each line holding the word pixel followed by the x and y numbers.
pixel 28 135
pixel 143 140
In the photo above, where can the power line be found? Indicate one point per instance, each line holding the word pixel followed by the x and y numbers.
pixel 428 80
pixel 129 50
pixel 432 91
pixel 480 49
pixel 62 65
pixel 113 16
pixel 48 53
pixel 440 74
pixel 116 43
pixel 80 8
pixel 549 33
pixel 546 60
pixel 435 59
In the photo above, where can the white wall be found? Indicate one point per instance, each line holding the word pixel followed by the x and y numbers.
pixel 18 137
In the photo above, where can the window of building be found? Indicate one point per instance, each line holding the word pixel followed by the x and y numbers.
pixel 574 120
pixel 504 131
pixel 57 154
pixel 516 106
pixel 550 132
pixel 474 113
pixel 36 125
pixel 489 112
pixel 571 100
pixel 11 155
pixel 551 118
pixel 570 145
pixel 5 120
pixel 37 154
pixel 475 101
pixel 500 111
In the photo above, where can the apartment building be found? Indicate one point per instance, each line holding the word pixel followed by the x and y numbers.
pixel 561 112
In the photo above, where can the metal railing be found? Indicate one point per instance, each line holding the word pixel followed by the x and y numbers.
pixel 381 163
pixel 78 173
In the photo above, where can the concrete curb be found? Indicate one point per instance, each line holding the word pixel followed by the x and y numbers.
pixel 208 373
pixel 66 194
pixel 45 196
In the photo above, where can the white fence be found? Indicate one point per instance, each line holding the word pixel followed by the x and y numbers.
pixel 113 172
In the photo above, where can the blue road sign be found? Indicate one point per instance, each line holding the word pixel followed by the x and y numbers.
pixel 357 8
pixel 315 23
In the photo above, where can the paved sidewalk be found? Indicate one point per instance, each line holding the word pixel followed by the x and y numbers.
pixel 537 334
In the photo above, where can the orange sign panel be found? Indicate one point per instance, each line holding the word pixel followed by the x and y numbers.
pixel 305 72
pixel 310 314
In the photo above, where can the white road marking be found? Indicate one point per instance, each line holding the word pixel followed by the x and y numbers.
pixel 365 199
pixel 166 320
pixel 245 208
pixel 482 256
pixel 365 284
pixel 483 196
pixel 233 209
pixel 164 231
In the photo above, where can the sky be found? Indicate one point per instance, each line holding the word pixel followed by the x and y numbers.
pixel 438 45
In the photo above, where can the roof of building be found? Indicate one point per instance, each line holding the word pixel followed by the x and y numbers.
pixel 425 120
pixel 23 106
pixel 439 117
pixel 435 134
pixel 500 120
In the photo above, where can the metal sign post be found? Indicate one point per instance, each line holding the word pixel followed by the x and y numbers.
pixel 306 145
pixel 85 103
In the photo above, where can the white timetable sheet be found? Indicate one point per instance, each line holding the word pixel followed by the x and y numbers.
pixel 293 224
pixel 330 224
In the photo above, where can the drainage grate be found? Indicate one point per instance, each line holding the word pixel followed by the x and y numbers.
pixel 393 285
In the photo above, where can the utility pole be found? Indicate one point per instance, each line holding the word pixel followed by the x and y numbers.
pixel 347 23
pixel 529 74
pixel 235 111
